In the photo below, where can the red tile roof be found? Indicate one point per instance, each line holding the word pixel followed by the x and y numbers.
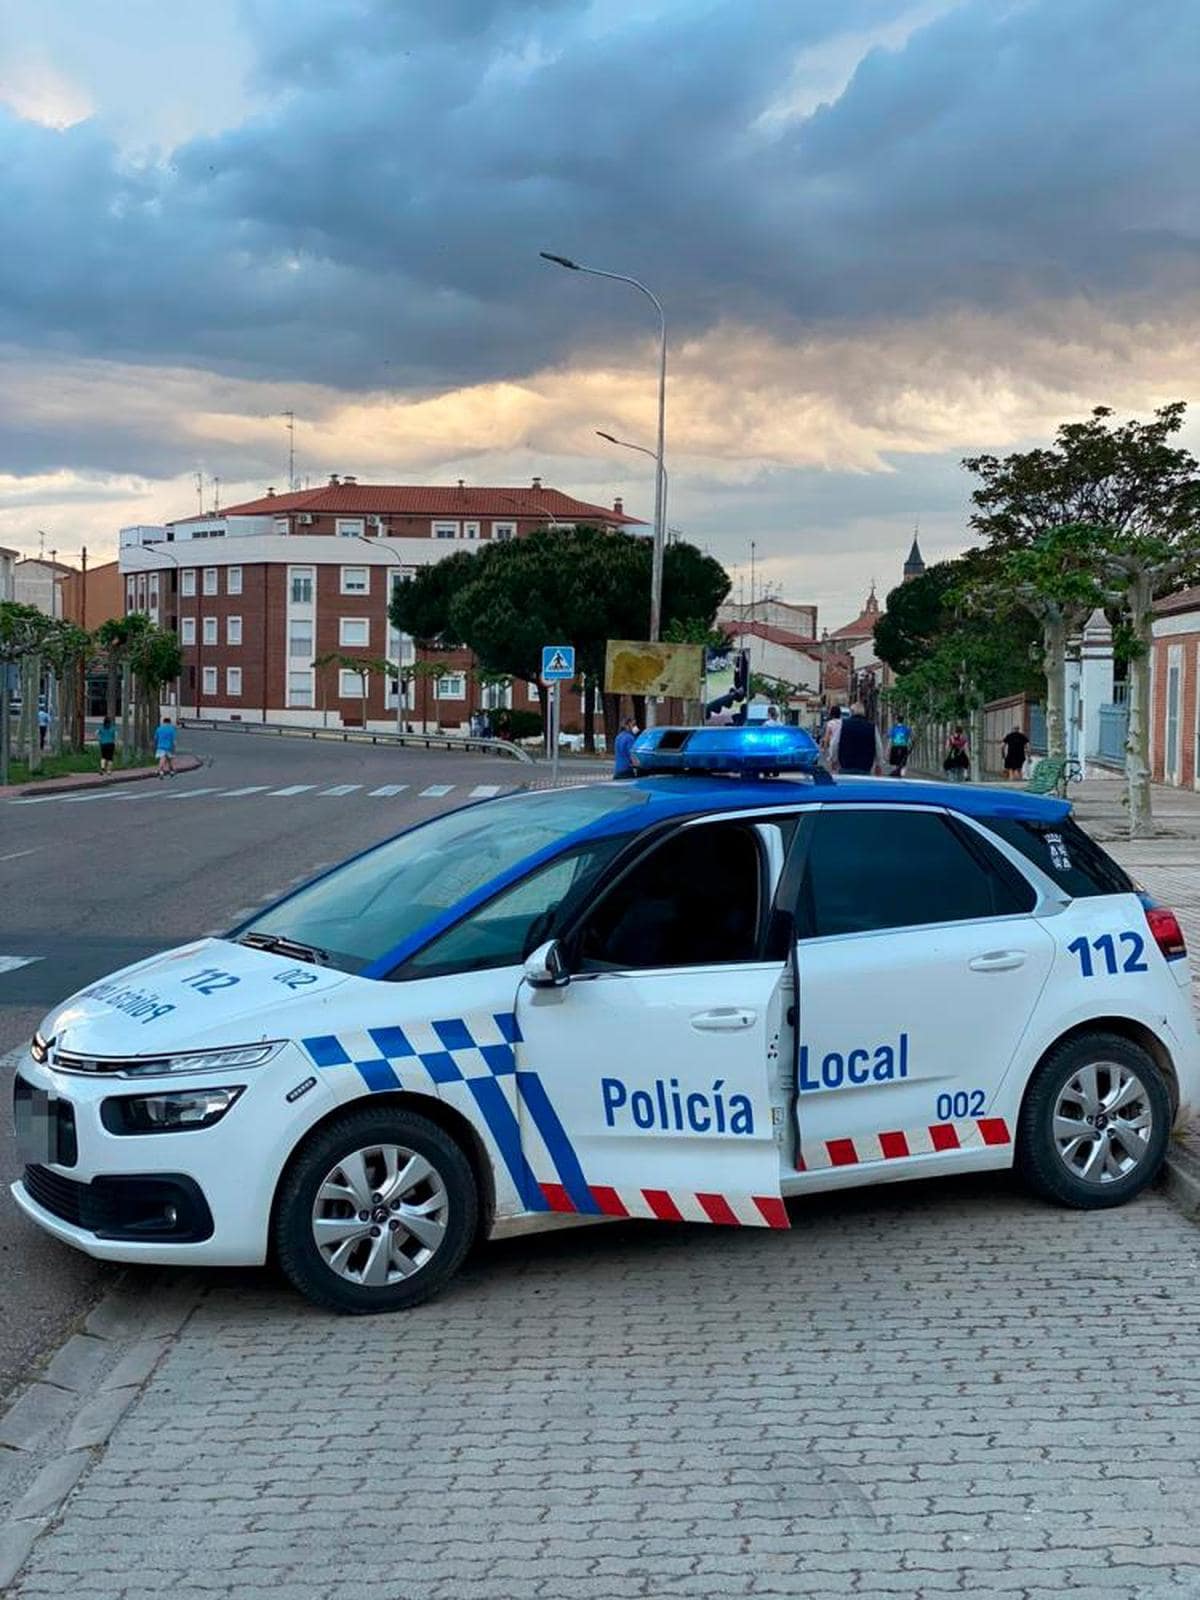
pixel 433 500
pixel 1172 604
pixel 766 630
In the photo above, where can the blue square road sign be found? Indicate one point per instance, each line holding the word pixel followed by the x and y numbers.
pixel 558 663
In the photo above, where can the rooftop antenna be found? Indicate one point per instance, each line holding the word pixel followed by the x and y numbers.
pixel 216 497
pixel 753 550
pixel 290 417
pixel 200 492
pixel 41 544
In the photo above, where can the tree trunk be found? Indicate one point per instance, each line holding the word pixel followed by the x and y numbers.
pixel 126 698
pixel 639 709
pixel 5 721
pixel 610 704
pixel 589 716
pixel 976 727
pixel 110 687
pixel 1054 648
pixel 33 736
pixel 1137 736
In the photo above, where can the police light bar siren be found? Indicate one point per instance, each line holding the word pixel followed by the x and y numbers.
pixel 757 752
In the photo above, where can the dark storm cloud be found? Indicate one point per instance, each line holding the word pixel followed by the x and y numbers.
pixel 380 222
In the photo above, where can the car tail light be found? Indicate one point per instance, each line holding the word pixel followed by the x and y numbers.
pixel 1168 935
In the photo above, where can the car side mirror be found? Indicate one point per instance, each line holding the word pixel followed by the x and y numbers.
pixel 545 968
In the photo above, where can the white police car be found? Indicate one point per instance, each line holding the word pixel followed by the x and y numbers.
pixel 687 997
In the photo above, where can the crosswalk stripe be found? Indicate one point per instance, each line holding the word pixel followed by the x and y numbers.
pixel 388 789
pixel 251 788
pixel 342 788
pixel 435 791
pixel 36 800
pixel 188 794
pixel 485 791
pixel 81 799
pixel 295 788
pixel 11 963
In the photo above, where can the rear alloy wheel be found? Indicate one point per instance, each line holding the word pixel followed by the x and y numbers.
pixel 1093 1130
pixel 376 1212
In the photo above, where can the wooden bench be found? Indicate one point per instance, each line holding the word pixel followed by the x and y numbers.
pixel 1051 775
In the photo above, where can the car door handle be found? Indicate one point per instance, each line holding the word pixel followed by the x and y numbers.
pixel 998 961
pixel 728 1019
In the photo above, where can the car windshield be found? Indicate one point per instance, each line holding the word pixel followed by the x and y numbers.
pixel 359 913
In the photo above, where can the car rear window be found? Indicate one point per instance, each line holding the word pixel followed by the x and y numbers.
pixel 1065 854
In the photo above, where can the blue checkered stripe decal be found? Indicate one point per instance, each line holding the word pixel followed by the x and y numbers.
pixel 479 1053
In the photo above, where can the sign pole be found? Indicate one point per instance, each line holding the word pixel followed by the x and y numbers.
pixel 555 690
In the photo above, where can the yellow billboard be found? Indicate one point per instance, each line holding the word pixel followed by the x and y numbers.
pixel 633 666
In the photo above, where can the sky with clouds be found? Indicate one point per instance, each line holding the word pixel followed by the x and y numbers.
pixel 887 233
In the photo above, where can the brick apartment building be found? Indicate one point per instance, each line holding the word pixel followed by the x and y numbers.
pixel 264 590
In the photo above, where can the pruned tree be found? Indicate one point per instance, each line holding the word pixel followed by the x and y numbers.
pixel 22 631
pixel 1140 495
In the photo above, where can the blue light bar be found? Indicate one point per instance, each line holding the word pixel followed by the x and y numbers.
pixel 744 751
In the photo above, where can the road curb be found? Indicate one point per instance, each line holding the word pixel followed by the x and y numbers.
pixel 1181 1179
pixel 65 1416
pixel 92 780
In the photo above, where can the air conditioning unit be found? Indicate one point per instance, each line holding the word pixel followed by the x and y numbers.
pixel 305 519
pixel 376 523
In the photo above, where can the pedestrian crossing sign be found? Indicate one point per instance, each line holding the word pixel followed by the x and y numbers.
pixel 558 662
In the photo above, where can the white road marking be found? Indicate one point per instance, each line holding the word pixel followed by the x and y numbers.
pixel 81 799
pixel 11 963
pixel 251 788
pixel 17 854
pixel 295 788
pixel 485 791
pixel 36 800
pixel 435 791
pixel 389 789
pixel 189 794
pixel 342 788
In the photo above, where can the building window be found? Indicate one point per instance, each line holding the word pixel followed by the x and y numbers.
pixel 356 580
pixel 187 630
pixel 233 680
pixel 282 526
pixel 351 527
pixel 210 680
pixel 470 530
pixel 302 586
pixel 450 686
pixel 504 530
pixel 445 530
pixel 210 630
pixel 354 631
pixel 300 641
pixel 187 581
pixel 210 580
pixel 350 685
pixel 233 630
pixel 154 588
pixel 233 580
pixel 300 689
pixel 497 696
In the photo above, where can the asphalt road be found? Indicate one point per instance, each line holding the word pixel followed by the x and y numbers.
pixel 92 882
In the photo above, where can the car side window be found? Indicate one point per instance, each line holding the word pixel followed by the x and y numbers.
pixel 502 932
pixel 695 899
pixel 878 868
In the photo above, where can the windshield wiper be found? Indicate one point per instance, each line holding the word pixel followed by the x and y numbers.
pixel 277 945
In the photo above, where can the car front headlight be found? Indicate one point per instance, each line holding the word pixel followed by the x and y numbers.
pixel 235 1059
pixel 173 1111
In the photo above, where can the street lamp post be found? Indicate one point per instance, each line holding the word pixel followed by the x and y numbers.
pixel 660 493
pixel 174 560
pixel 642 450
pixel 375 545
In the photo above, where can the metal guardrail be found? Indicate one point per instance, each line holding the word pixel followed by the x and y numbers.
pixel 426 741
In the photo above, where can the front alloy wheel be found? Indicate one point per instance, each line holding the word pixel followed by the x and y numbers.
pixel 375 1212
pixel 1093 1130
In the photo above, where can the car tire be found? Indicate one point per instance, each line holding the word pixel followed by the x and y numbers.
pixel 386 1243
pixel 1069 1147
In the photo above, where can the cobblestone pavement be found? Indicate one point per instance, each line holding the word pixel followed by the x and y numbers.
pixel 920 1390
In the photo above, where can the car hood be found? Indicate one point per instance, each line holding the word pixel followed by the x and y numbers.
pixel 205 995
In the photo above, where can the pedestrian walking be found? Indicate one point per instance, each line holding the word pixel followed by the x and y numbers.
pixel 623 766
pixel 106 738
pixel 831 721
pixel 43 721
pixel 1015 746
pixel 164 748
pixel 899 745
pixel 855 745
pixel 956 763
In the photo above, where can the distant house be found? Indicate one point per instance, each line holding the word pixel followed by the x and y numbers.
pixel 36 582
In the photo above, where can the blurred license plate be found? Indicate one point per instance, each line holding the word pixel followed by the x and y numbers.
pixel 45 1126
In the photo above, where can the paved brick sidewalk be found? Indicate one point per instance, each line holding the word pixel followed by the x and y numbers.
pixel 922 1389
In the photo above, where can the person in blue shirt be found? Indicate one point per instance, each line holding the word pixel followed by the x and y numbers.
pixel 899 745
pixel 623 750
pixel 164 747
